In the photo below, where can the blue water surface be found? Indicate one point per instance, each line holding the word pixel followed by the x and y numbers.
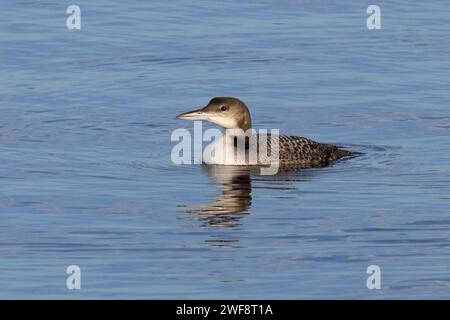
pixel 86 176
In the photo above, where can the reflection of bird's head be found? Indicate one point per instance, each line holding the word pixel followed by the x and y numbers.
pixel 230 113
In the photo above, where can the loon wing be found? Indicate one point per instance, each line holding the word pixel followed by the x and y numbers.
pixel 293 149
pixel 299 151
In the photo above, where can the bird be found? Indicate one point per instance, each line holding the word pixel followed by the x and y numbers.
pixel 234 116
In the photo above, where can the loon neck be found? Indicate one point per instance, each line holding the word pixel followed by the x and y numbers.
pixel 237 136
pixel 236 132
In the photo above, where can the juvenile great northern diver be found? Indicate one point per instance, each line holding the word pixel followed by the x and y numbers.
pixel 232 113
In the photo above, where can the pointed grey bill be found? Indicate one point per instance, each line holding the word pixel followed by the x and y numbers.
pixel 198 114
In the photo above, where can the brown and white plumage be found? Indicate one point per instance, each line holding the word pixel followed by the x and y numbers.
pixel 295 149
pixel 232 113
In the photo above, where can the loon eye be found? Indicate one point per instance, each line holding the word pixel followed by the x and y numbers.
pixel 224 108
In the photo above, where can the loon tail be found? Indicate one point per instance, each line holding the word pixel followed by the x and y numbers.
pixel 342 153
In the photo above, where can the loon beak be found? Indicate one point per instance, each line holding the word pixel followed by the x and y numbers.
pixel 198 114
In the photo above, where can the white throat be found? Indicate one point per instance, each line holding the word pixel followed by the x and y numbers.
pixel 226 122
pixel 224 150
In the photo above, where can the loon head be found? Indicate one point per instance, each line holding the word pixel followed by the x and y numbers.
pixel 230 113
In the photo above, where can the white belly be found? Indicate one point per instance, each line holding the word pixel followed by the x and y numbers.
pixel 222 151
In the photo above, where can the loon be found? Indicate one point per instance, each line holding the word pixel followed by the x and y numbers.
pixel 232 113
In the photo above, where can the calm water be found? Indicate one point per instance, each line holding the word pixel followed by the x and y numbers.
pixel 85 170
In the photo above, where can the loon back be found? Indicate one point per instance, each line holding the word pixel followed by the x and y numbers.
pixel 299 150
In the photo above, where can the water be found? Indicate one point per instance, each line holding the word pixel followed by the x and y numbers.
pixel 85 170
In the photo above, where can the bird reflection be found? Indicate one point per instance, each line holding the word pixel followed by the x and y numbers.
pixel 235 182
pixel 228 208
